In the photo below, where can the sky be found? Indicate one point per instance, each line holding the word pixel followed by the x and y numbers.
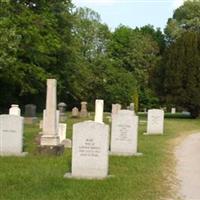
pixel 132 13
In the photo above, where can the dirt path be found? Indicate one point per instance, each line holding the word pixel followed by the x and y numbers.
pixel 188 167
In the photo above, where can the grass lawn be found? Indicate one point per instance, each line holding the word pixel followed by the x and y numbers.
pixel 149 177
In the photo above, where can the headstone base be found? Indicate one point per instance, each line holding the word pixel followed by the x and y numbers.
pixel 14 154
pixel 51 150
pixel 125 154
pixel 70 176
pixel 49 140
pixel 152 133
pixel 30 120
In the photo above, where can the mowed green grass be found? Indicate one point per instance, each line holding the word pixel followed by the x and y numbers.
pixel 37 177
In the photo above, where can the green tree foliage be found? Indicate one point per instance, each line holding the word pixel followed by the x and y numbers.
pixel 181 73
pixel 39 34
pixel 186 17
pixel 52 39
pixel 103 78
pixel 138 52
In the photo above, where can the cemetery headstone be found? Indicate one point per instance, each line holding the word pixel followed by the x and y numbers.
pixel 115 108
pixel 90 150
pixel 83 112
pixel 75 112
pixel 62 131
pixel 99 105
pixel 30 114
pixel 15 110
pixel 62 109
pixel 173 110
pixel 124 135
pixel 30 110
pixel 11 135
pixel 155 121
pixel 50 141
pixel 132 106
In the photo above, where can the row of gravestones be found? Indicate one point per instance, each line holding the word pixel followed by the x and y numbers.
pixel 90 148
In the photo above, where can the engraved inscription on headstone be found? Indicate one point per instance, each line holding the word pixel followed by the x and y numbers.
pixel 11 135
pixel 124 133
pixel 90 150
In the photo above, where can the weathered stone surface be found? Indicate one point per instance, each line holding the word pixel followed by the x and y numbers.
pixel 155 122
pixel 67 143
pixel 173 110
pixel 50 135
pixel 124 135
pixel 115 108
pixel 15 110
pixel 30 111
pixel 63 115
pixel 99 105
pixel 90 150
pixel 132 106
pixel 62 131
pixel 83 112
pixel 11 135
pixel 75 112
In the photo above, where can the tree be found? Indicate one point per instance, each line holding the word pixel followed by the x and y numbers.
pixel 181 73
pixel 138 52
pixel 102 76
pixel 186 17
pixel 38 47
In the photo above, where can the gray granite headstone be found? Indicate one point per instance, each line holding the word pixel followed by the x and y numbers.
pixel 30 110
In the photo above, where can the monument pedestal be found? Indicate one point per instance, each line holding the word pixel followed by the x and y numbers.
pixel 51 150
pixel 49 140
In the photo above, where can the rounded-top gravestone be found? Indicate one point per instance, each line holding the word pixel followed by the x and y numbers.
pixel 75 112
pixel 62 106
pixel 15 110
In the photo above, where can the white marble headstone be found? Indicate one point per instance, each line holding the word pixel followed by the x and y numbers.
pixel 11 135
pixel 50 121
pixel 15 110
pixel 99 104
pixel 155 122
pixel 124 135
pixel 62 131
pixel 116 108
pixel 173 110
pixel 90 150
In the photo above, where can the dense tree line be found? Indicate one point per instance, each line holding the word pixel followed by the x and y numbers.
pixel 43 39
